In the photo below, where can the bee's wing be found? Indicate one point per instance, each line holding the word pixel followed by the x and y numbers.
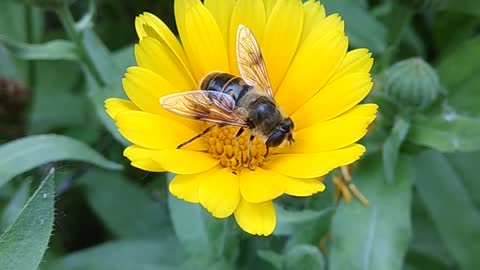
pixel 250 60
pixel 210 106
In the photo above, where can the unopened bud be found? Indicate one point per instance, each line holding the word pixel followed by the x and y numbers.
pixel 411 84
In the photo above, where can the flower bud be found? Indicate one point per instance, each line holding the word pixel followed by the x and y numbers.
pixel 411 84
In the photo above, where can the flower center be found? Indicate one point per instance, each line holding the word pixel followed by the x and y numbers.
pixel 233 151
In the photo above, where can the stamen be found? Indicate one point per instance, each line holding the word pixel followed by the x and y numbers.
pixel 231 149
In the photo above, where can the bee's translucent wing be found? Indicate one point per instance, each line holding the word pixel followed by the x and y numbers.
pixel 210 106
pixel 250 60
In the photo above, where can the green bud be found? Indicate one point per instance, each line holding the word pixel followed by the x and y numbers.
pixel 411 84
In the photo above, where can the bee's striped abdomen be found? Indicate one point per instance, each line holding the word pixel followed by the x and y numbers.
pixel 225 83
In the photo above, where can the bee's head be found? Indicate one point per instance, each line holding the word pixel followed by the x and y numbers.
pixel 283 131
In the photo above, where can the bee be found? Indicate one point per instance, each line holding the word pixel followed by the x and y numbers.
pixel 246 101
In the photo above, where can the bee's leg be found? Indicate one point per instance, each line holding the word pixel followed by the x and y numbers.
pixel 239 132
pixel 266 153
pixel 195 137
pixel 252 137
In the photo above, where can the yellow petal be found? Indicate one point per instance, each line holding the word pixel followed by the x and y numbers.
pixel 313 65
pixel 180 9
pixel 356 61
pixel 185 186
pixel 141 158
pixel 303 187
pixel 261 185
pixel 337 133
pixel 221 10
pixel 148 25
pixel 324 26
pixel 115 106
pixel 178 161
pixel 269 4
pixel 155 56
pixel 219 193
pixel 250 13
pixel 152 131
pixel 280 39
pixel 145 88
pixel 314 13
pixel 135 152
pixel 256 218
pixel 202 40
pixel 147 165
pixel 313 165
pixel 335 99
pixel 182 161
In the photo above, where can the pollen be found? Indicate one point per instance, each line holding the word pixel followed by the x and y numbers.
pixel 233 151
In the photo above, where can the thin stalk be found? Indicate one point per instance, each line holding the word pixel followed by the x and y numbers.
pixel 69 24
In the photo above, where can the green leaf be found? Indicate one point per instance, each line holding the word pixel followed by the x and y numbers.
pixel 7 65
pixel 52 50
pixel 427 245
pixel 15 205
pixel 362 29
pixel 459 74
pixel 288 222
pixel 23 244
pixel 27 153
pixel 471 7
pixel 374 237
pixel 451 29
pixel 53 89
pixel 125 255
pixel 45 117
pixel 188 224
pixel 418 261
pixel 124 57
pixel 451 207
pixel 391 147
pixel 98 97
pixel 304 257
pixel 272 257
pixel 103 60
pixel 151 218
pixel 23 24
pixel 110 73
pixel 223 238
pixel 466 166
pixel 446 133
pixel 207 239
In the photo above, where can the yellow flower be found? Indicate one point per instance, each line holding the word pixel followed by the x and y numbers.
pixel 315 80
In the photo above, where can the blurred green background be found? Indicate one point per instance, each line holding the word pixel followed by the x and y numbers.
pixel 70 201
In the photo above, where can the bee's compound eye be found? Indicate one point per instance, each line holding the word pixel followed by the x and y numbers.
pixel 275 139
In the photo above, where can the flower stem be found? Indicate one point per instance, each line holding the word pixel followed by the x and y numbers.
pixel 68 23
